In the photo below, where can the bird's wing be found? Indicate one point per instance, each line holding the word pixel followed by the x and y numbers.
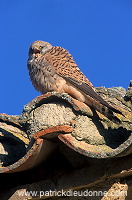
pixel 64 64
pixel 66 67
pixel 88 91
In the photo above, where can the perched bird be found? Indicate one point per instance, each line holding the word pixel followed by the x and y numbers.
pixel 52 68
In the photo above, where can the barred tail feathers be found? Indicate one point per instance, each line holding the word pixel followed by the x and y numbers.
pixel 107 111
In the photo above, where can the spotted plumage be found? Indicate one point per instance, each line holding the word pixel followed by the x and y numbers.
pixel 53 69
pixel 64 64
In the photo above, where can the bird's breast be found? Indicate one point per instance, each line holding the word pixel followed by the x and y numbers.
pixel 42 75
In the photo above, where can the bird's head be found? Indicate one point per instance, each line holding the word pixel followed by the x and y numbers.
pixel 39 47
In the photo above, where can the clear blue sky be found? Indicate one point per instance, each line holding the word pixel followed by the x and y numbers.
pixel 98 33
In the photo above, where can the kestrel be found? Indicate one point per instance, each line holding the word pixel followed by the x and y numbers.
pixel 52 68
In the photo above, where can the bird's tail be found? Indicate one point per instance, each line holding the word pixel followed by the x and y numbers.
pixel 107 111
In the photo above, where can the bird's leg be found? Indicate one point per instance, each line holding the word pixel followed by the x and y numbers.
pixel 74 92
